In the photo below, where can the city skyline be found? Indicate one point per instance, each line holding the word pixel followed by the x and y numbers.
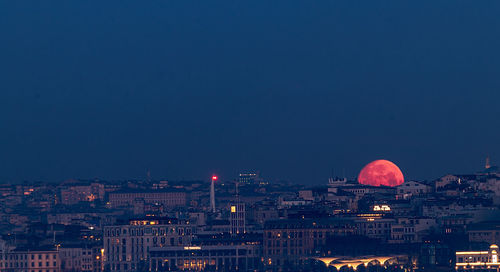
pixel 233 175
pixel 223 177
pixel 249 136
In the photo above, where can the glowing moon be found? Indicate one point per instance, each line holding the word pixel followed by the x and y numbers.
pixel 381 172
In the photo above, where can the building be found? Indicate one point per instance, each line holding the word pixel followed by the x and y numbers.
pixel 236 257
pixel 237 218
pixel 168 198
pixel 360 190
pixel 249 178
pixel 69 218
pixel 450 180
pixel 485 232
pixel 218 226
pixel 80 258
pixel 287 241
pixel 261 212
pixel 126 247
pixel 412 188
pixel 374 225
pixel 31 259
pixel 306 195
pixel 82 193
pixel 478 260
pixel 412 230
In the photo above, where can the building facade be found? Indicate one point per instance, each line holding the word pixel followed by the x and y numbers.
pixel 242 257
pixel 478 260
pixel 81 258
pixel 166 198
pixel 30 260
pixel 237 218
pixel 126 247
pixel 287 242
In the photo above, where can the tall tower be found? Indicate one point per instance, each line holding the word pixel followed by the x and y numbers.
pixel 237 218
pixel 237 215
pixel 487 165
pixel 212 193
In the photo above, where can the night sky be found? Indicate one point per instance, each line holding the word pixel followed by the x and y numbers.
pixel 295 89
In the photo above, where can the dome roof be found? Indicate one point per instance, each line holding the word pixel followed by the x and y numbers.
pixel 493 246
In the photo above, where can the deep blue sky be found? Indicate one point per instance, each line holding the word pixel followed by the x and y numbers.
pixel 293 88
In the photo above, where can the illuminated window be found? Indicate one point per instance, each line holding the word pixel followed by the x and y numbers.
pixel 233 209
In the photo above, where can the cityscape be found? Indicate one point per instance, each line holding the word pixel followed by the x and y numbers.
pixel 249 136
pixel 250 223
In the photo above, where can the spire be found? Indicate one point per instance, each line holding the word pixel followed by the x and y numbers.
pixel 487 165
pixel 212 193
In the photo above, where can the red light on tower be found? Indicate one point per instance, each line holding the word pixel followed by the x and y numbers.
pixel 214 177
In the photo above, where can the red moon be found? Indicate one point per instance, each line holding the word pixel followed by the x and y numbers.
pixel 381 173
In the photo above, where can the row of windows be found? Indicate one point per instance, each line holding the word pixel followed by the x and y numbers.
pixel 147 195
pixel 25 264
pixel 154 231
pixel 375 225
pixel 285 244
pixel 474 259
pixel 306 227
pixel 215 252
pixel 294 235
pixel 285 252
pixel 483 233
pixel 377 232
pixel 75 253
pixel 285 234
pixel 403 237
pixel 278 262
pixel 25 256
